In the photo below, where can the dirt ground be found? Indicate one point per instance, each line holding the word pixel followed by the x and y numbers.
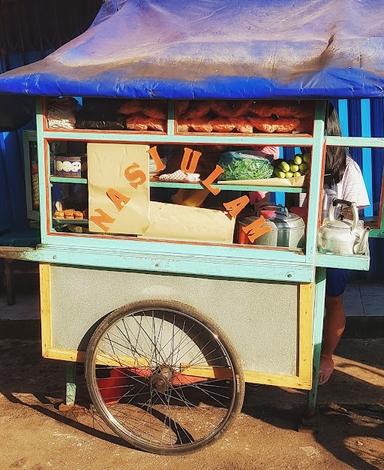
pixel 35 435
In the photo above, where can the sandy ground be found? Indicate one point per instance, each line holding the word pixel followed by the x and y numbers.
pixel 35 435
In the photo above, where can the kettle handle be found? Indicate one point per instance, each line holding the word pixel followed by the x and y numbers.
pixel 355 212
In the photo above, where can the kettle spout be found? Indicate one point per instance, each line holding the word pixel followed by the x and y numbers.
pixel 361 245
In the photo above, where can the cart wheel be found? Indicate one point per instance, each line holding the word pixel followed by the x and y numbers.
pixel 162 377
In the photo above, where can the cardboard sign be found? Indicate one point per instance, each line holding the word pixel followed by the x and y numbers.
pixel 118 188
pixel 174 222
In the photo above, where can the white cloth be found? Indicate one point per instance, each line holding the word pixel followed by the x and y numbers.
pixel 350 188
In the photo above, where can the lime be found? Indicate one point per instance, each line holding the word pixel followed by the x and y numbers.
pixel 280 174
pixel 303 167
pixel 298 160
pixel 288 174
pixel 284 166
pixel 296 174
pixel 306 157
pixel 294 168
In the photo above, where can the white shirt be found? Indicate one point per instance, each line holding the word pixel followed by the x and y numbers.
pixel 350 188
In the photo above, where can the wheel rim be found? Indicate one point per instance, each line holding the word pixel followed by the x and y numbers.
pixel 162 379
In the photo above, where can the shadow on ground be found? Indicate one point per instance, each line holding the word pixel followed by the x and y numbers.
pixel 351 412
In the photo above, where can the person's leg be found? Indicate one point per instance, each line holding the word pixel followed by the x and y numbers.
pixel 334 324
pixel 334 321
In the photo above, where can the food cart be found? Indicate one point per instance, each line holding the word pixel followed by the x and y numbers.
pixel 143 280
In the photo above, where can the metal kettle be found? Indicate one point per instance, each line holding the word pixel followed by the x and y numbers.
pixel 343 237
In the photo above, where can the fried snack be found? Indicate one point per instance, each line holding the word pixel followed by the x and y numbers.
pixel 69 213
pixel 197 110
pixel 155 111
pixel 269 125
pixel 304 110
pixel 139 122
pixel 136 122
pixel 181 107
pixel 182 126
pixel 130 107
pixel 78 215
pixel 230 108
pixel 242 125
pixel 200 125
pixel 261 108
pixel 305 125
pixel 58 215
pixel 222 125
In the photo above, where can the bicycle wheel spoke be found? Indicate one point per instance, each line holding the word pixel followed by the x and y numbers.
pixel 137 381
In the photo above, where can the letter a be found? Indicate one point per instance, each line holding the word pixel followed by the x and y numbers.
pixel 101 219
pixel 235 206
pixel 120 200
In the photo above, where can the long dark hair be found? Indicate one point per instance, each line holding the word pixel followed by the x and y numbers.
pixel 336 157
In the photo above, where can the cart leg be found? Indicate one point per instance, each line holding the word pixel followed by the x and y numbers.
pixel 317 339
pixel 70 387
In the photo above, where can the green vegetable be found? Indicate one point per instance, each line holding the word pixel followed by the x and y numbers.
pixel 288 174
pixel 298 159
pixel 242 166
pixel 303 167
pixel 297 174
pixel 306 157
pixel 280 174
pixel 294 168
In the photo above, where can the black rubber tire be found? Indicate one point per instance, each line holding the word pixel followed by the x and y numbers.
pixel 117 314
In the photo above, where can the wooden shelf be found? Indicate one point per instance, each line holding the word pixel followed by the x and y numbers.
pixel 176 185
pixel 70 221
pixel 228 187
pixel 60 179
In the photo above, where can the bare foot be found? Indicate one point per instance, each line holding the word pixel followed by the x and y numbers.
pixel 326 369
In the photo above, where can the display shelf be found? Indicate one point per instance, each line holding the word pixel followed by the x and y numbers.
pixel 228 187
pixel 295 140
pixel 176 185
pixel 70 221
pixel 359 262
pixel 59 179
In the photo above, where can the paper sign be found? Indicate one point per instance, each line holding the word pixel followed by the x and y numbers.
pixel 118 188
pixel 174 222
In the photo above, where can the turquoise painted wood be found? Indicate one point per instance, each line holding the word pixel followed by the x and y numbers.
pixel 355 262
pixel 228 267
pixel 193 138
pixel 318 317
pixel 369 142
pixel 229 187
pixel 315 181
pixel 59 179
pixel 367 154
pixel 223 187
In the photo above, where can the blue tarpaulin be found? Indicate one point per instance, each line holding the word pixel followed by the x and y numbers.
pixel 217 49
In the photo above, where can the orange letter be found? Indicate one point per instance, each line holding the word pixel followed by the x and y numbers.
pixel 211 179
pixel 156 158
pixel 235 206
pixel 256 229
pixel 117 198
pixel 100 219
pixel 190 160
pixel 134 174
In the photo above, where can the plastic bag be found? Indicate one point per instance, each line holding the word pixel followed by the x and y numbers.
pixel 244 166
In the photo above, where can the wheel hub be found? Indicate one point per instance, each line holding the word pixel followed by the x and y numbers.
pixel 162 378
